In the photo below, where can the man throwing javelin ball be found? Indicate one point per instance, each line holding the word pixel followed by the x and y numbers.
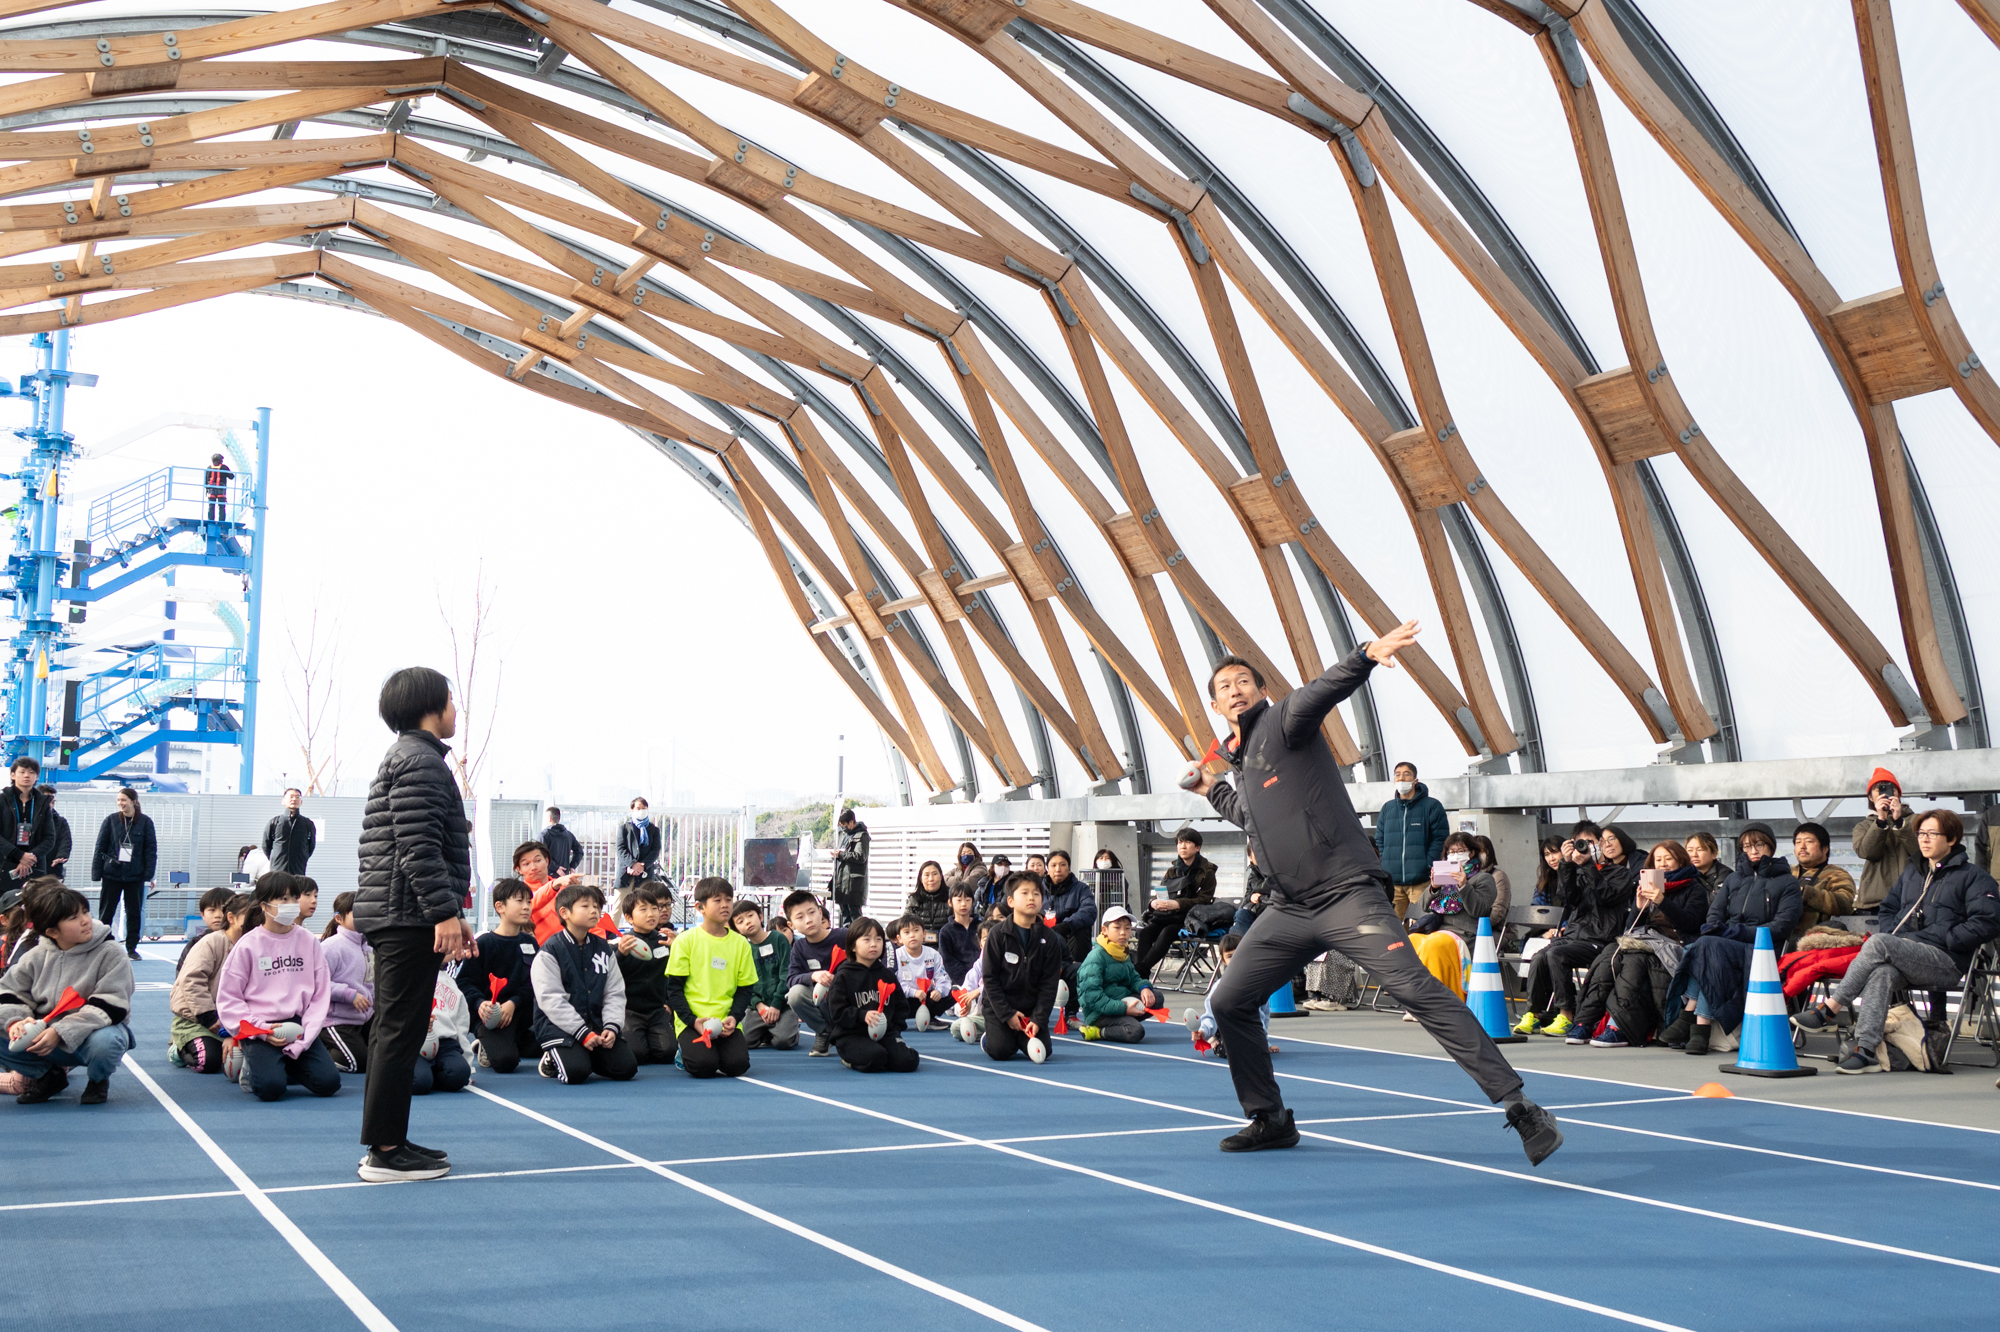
pixel 1326 892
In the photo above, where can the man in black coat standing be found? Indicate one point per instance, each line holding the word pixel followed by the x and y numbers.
pixel 27 825
pixel 416 867
pixel 850 866
pixel 565 852
pixel 1326 892
pixel 639 846
pixel 290 837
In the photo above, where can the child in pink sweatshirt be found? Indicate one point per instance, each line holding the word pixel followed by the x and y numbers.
pixel 275 975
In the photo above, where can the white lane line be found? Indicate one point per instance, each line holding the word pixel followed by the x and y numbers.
pixel 1648 1133
pixel 360 1305
pixel 106 1202
pixel 1649 1086
pixel 1545 1181
pixel 1224 1209
pixel 869 1260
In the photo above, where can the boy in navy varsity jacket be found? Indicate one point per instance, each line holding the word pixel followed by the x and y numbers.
pixel 1021 966
pixel 580 996
pixel 504 1026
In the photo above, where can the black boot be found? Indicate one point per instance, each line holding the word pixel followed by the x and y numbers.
pixel 1264 1132
pixel 1697 1042
pixel 1675 1034
pixel 1539 1135
pixel 95 1093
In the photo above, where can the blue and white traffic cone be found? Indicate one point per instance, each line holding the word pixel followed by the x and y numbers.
pixel 1766 1050
pixel 1281 1002
pixel 1483 992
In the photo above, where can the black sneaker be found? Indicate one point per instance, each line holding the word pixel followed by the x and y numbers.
pixel 1539 1135
pixel 1858 1061
pixel 400 1164
pixel 1675 1034
pixel 95 1093
pixel 133 953
pixel 431 1152
pixel 42 1088
pixel 1816 1018
pixel 1264 1132
pixel 822 1044
pixel 1697 1041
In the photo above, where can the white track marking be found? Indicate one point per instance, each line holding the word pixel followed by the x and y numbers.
pixel 1545 1181
pixel 360 1305
pixel 866 1259
pixel 1310 1232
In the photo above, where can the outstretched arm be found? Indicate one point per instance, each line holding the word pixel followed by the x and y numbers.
pixel 1301 711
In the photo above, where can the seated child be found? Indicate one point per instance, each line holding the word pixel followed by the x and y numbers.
pixel 21 936
pixel 865 1005
pixel 308 898
pixel 195 1040
pixel 350 968
pixel 211 905
pixel 13 925
pixel 580 996
pixel 531 863
pixel 1201 1026
pixel 769 1022
pixel 276 974
pixel 1112 997
pixel 958 941
pixel 77 954
pixel 920 972
pixel 813 940
pixel 968 1023
pixel 503 1014
pixel 1023 966
pixel 642 957
pixel 711 981
pixel 441 1062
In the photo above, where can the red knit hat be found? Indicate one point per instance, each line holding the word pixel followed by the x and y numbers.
pixel 1884 775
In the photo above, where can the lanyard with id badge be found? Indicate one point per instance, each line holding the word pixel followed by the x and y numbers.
pixel 24 822
pixel 125 847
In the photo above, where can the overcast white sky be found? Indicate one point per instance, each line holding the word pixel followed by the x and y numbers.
pixel 634 617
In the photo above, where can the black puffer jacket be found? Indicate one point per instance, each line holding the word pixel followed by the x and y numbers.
pixel 112 835
pixel 416 852
pixel 1955 907
pixel 1761 892
pixel 1597 898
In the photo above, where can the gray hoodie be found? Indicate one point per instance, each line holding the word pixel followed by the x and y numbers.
pixel 97 969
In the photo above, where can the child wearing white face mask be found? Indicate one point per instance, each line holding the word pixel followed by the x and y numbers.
pixel 273 994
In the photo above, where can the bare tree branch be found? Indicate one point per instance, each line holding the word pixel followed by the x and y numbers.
pixel 312 690
pixel 470 755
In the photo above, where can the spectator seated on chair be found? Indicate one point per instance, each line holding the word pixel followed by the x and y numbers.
pixel 1548 874
pixel 1256 893
pixel 1070 900
pixel 1827 890
pixel 1713 979
pixel 930 900
pixel 1928 927
pixel 1189 880
pixel 1628 980
pixel 1444 919
pixel 1112 997
pixel 1599 874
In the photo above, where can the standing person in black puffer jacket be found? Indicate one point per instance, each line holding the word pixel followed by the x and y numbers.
pixel 416 867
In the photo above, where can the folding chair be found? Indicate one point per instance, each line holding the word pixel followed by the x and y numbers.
pixel 1196 954
pixel 1975 1004
pixel 1531 920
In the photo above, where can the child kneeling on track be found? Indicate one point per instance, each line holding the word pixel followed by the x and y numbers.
pixel 350 969
pixel 770 1021
pixel 1201 1026
pixel 580 996
pixel 642 959
pixel 274 995
pixel 921 973
pixel 813 943
pixel 441 1062
pixel 212 918
pixel 865 1004
pixel 194 1040
pixel 497 983
pixel 968 1023
pixel 1022 968
pixel 1112 998
pixel 711 981
pixel 70 996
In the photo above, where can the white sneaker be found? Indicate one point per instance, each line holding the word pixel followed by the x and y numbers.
pixel 484 1062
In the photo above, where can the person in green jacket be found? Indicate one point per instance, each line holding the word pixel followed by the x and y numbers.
pixel 1112 997
pixel 770 1021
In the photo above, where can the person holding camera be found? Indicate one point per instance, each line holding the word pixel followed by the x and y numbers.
pixel 1886 841
pixel 1600 871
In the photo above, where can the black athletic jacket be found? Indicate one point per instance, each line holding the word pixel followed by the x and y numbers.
pixel 1020 972
pixel 1292 801
pixel 853 996
pixel 565 852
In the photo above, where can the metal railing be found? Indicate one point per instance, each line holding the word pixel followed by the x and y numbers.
pixel 172 494
pixel 149 678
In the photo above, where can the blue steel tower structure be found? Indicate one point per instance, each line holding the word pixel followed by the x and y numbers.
pixel 113 704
